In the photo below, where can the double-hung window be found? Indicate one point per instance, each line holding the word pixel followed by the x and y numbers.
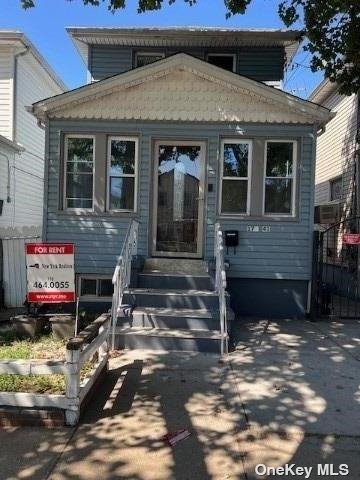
pixel 79 171
pixel 280 176
pixel 122 173
pixel 235 175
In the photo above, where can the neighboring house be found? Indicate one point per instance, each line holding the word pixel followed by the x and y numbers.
pixel 337 163
pixel 178 129
pixel 25 77
pixel 337 203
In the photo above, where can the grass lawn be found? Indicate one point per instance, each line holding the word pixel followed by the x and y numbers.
pixel 42 348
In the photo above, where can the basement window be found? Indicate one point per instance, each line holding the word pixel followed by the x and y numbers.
pixel 94 287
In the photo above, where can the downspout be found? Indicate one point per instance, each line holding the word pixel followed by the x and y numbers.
pixel 16 57
pixel 311 284
pixel 8 197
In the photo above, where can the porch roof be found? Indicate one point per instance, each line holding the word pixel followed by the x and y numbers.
pixel 181 88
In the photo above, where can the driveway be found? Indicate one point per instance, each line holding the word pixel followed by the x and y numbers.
pixel 288 394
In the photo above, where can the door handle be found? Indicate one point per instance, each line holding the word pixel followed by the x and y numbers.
pixel 200 199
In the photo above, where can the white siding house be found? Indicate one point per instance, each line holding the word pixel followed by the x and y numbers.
pixel 25 77
pixel 335 179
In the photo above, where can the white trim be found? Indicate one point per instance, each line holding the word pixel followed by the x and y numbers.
pixel 201 210
pixel 64 206
pixel 147 54
pixel 90 297
pixel 297 110
pixel 219 54
pixel 248 178
pixel 135 175
pixel 294 178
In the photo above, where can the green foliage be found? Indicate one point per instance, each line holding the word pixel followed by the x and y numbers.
pixel 331 26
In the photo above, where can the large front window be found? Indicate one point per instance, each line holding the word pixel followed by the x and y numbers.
pixel 122 173
pixel 280 168
pixel 79 171
pixel 235 173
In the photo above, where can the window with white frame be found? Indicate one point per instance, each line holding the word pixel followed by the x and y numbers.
pixel 235 174
pixel 95 287
pixel 122 173
pixel 79 171
pixel 223 60
pixel 280 176
pixel 145 58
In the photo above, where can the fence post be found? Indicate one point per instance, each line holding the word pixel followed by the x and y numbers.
pixel 72 412
pixel 104 347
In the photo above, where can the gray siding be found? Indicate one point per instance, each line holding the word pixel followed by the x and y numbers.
pixel 110 60
pixel 262 64
pixel 284 253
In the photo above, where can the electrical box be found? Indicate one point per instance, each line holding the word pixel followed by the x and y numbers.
pixel 231 238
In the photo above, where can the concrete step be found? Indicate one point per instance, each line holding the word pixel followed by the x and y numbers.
pixel 169 318
pixel 168 340
pixel 182 266
pixel 153 279
pixel 143 297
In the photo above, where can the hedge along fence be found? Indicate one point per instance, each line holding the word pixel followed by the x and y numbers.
pixel 80 349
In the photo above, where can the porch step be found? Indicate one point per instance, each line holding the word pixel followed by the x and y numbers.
pixel 164 298
pixel 179 266
pixel 172 318
pixel 160 280
pixel 170 340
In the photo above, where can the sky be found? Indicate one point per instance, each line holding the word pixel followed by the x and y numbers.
pixel 45 26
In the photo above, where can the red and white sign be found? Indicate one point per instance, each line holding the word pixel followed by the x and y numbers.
pixel 50 272
pixel 351 238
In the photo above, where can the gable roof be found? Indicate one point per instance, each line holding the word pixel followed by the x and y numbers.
pixel 323 91
pixel 15 37
pixel 182 88
pixel 176 37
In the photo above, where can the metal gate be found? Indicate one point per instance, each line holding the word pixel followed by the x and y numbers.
pixel 336 271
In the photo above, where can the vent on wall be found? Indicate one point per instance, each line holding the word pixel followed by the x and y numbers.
pixel 328 213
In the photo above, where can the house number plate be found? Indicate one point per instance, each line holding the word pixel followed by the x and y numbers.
pixel 259 228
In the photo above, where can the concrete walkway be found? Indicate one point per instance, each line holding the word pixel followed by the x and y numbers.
pixel 289 393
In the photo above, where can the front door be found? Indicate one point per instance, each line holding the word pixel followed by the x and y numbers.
pixel 178 199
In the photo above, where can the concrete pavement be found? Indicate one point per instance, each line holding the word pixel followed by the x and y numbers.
pixel 289 393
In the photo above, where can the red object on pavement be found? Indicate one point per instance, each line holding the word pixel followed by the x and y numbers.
pixel 351 238
pixel 172 438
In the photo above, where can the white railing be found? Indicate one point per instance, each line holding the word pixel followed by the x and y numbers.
pixel 220 285
pixel 122 273
pixel 80 349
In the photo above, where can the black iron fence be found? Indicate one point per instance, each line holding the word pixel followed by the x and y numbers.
pixel 336 271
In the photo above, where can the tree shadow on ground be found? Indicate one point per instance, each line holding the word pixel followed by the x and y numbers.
pixel 288 393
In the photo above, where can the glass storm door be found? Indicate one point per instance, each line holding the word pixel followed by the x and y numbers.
pixel 178 199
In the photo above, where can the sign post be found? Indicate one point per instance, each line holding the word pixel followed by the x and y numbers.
pixel 50 272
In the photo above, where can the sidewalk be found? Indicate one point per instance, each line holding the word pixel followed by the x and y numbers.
pixel 288 394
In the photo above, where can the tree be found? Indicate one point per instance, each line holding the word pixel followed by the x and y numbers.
pixel 332 28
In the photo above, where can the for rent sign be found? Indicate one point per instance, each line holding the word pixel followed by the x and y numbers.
pixel 50 272
pixel 351 238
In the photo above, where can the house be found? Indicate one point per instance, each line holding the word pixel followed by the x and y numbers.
pixel 337 166
pixel 25 77
pixel 337 203
pixel 180 129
